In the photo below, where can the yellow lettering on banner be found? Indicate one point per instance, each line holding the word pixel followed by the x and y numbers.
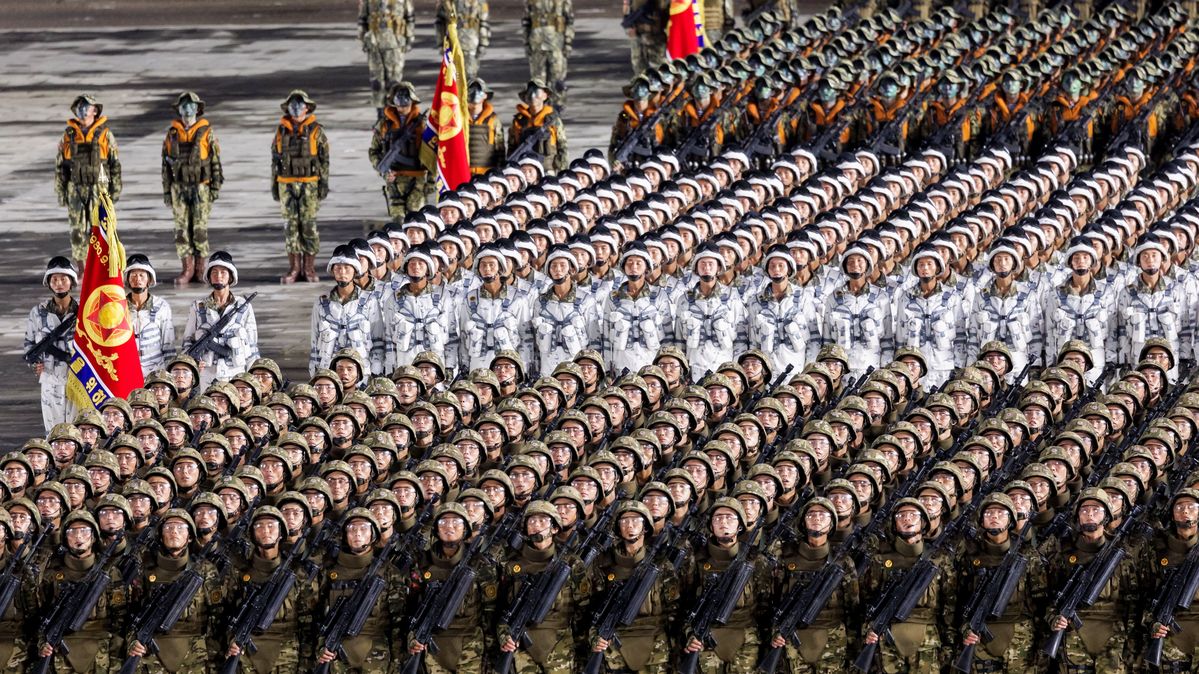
pixel 98 397
pixel 90 385
pixel 76 365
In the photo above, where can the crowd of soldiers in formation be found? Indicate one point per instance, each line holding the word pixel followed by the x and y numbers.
pixel 836 406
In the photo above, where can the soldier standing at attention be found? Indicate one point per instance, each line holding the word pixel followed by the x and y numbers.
pixel 87 164
pixel 487 148
pixel 549 33
pixel 153 324
pixel 236 347
pixel 51 370
pixel 300 181
pixel 533 113
pixel 645 24
pixel 386 29
pixel 474 29
pixel 395 151
pixel 191 180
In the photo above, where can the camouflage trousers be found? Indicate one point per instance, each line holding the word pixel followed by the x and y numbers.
pixel 744 660
pixel 468 39
pixel 406 194
pixel 191 206
pixel 13 661
pixel 386 66
pixel 560 659
pixel 925 660
pixel 299 203
pixel 378 661
pixel 648 51
pixel 470 656
pixel 53 384
pixel 1019 654
pixel 101 663
pixel 196 661
pixel 80 199
pixel 1104 655
pixel 832 657
pixel 657 663
pixel 547 59
pixel 283 659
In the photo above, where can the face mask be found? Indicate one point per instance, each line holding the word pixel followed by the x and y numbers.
pixel 890 92
pixel 297 108
pixel 82 110
pixel 403 101
pixel 828 95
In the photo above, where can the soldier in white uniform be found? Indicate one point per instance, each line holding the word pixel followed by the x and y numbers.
pixel 492 317
pixel 51 369
pixel 858 316
pixel 929 317
pixel 1080 309
pixel 632 333
pixel 1007 309
pixel 345 316
pixel 415 317
pixel 708 316
pixel 1150 305
pixel 231 351
pixel 784 321
pixel 153 324
pixel 565 320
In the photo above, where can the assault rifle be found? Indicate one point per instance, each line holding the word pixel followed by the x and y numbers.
pixel 207 341
pixel 1087 581
pixel 350 612
pixel 640 141
pixel 10 580
pixel 1176 593
pixel 647 12
pixel 74 607
pixel 257 612
pixel 991 602
pixel 48 345
pixel 716 604
pixel 443 599
pixel 624 599
pixel 532 138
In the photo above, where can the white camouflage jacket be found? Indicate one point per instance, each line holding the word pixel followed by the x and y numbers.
pixel 708 327
pixel 862 325
pixel 154 328
pixel 338 325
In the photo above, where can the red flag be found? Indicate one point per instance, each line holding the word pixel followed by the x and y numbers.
pixel 445 132
pixel 685 28
pixel 105 362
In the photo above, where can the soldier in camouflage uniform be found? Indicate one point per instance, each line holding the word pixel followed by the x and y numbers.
pixel 153 324
pixel 239 336
pixel 396 142
pixel 87 164
pixel 345 317
pixel 551 645
pixel 386 29
pixel 300 181
pixel 461 646
pixel 191 181
pixel 286 644
pixel 473 18
pixel 549 35
pixel 96 647
pixel 14 650
pixel 645 24
pixel 644 646
pixel 51 370
pixel 191 644
pixel 487 148
pixel 1167 552
pixel 533 113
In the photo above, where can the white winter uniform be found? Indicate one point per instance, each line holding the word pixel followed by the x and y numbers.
pixel 1085 317
pixel 560 328
pixel 413 323
pixel 862 325
pixel 934 325
pixel 240 335
pixel 154 328
pixel 1140 313
pixel 1014 319
pixel 53 381
pixel 487 325
pixel 787 330
pixel 632 333
pixel 338 325
pixel 708 327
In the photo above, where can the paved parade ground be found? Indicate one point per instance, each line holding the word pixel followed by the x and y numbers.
pixel 242 58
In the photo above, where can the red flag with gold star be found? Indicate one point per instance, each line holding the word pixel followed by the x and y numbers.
pixel 445 143
pixel 105 362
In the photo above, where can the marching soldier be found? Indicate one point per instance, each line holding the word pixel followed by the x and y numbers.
pixel 1152 305
pixel 474 29
pixel 188 647
pixel 346 317
pixel 300 182
pixel 1081 308
pixel 549 35
pixel 859 315
pixel 87 164
pixel 565 319
pixel 153 325
pixel 645 23
pixel 929 317
pixel 191 182
pixel 1170 547
pixel 709 315
pixel 50 368
pixel 487 146
pixel 1007 310
pixel 414 318
pixel 784 320
pixel 386 29
pixel 395 151
pixel 492 317
pixel 636 110
pixel 236 346
pixel 632 332
pixel 534 115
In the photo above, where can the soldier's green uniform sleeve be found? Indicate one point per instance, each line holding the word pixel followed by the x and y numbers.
pixel 322 155
pixel 167 176
pixel 376 151
pixel 61 170
pixel 215 633
pixel 114 167
pixel 217 180
pixel 560 156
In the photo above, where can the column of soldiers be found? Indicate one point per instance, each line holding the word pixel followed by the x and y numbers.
pixel 749 370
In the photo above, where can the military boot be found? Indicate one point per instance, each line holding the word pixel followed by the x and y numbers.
pixel 189 268
pixel 310 268
pixel 199 263
pixel 293 268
